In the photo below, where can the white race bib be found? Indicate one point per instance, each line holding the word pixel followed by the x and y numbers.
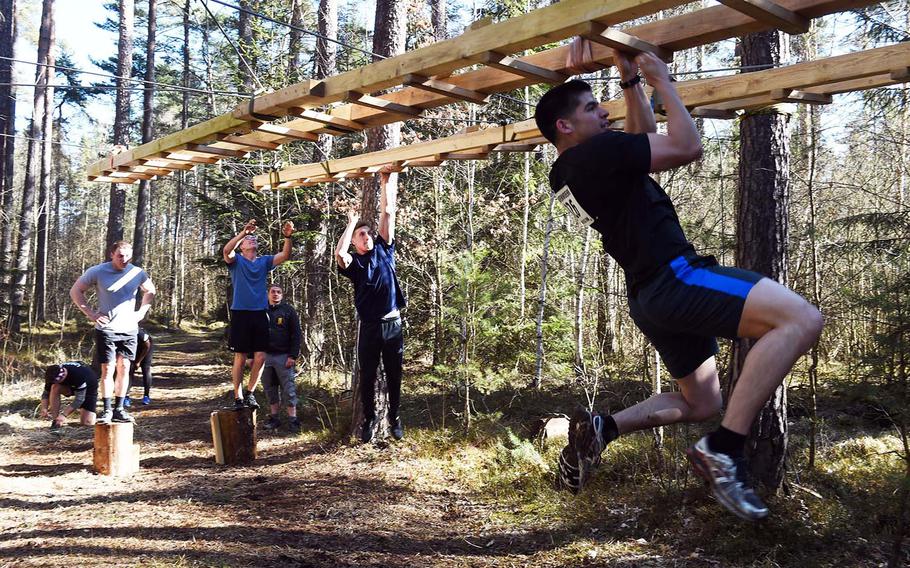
pixel 564 195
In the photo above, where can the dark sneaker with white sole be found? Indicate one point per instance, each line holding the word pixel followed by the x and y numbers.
pixel 105 417
pixel 273 423
pixel 582 454
pixel 121 415
pixel 728 481
pixel 250 400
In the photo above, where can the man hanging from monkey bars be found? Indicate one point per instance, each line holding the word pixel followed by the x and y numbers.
pixel 681 301
pixel 249 306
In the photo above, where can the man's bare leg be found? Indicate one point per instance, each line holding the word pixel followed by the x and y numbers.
pixel 786 326
pixel 237 374
pixel 256 369
pixel 699 399
pixel 107 380
pixel 120 385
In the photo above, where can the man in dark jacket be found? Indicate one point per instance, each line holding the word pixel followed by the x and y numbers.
pixel 280 357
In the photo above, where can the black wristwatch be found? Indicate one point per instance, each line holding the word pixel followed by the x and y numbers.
pixel 630 83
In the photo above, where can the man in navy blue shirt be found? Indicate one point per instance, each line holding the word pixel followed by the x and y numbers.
pixel 249 308
pixel 378 299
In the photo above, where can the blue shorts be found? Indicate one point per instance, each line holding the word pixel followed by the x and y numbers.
pixel 686 305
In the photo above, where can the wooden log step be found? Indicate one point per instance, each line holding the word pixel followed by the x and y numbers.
pixel 114 453
pixel 234 436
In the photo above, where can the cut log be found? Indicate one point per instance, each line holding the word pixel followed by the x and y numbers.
pixel 552 428
pixel 115 454
pixel 234 436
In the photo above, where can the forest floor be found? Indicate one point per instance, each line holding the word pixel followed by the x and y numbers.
pixel 314 499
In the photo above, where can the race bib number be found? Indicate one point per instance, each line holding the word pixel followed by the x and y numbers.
pixel 568 200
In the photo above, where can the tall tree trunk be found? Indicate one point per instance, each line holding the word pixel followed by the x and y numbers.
pixel 47 154
pixel 542 298
pixel 245 44
pixel 121 119
pixel 143 199
pixel 7 129
pixel 26 219
pixel 389 31
pixel 438 19
pixel 317 260
pixel 294 41
pixel 174 314
pixel 761 242
pixel 579 306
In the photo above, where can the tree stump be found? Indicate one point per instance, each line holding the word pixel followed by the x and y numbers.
pixel 234 436
pixel 114 453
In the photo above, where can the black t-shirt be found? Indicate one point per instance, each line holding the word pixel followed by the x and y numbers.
pixel 604 183
pixel 376 289
pixel 78 376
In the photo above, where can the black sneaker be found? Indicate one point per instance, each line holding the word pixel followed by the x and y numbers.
pixel 366 432
pixel 397 429
pixel 238 404
pixel 582 453
pixel 121 415
pixel 250 400
pixel 294 425
pixel 273 423
pixel 728 481
pixel 105 417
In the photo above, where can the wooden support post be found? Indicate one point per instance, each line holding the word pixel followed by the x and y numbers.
pixel 234 436
pixel 517 67
pixel 114 453
pixel 599 33
pixel 445 89
pixel 359 98
pixel 770 13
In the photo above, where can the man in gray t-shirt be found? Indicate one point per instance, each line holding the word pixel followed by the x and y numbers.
pixel 116 321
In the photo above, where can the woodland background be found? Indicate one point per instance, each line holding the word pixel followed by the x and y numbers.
pixel 508 298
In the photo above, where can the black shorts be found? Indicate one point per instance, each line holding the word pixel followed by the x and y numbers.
pixel 688 303
pixel 91 398
pixel 249 331
pixel 109 344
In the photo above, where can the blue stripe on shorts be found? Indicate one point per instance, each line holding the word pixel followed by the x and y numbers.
pixel 710 280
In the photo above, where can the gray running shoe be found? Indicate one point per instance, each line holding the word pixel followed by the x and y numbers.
pixel 121 415
pixel 105 417
pixel 582 454
pixel 727 478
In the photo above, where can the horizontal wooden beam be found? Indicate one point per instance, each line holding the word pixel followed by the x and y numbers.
pixel 773 14
pixel 598 33
pixel 445 89
pixel 384 105
pixel 732 92
pixel 247 141
pixel 792 96
pixel 521 68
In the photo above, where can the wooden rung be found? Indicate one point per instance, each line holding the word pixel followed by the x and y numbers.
pixel 177 156
pixel 902 74
pixel 599 33
pixel 132 175
pixel 377 103
pixel 109 179
pixel 715 113
pixel 247 141
pixel 424 163
pixel 203 149
pixel 515 147
pixel 164 163
pixel 770 13
pixel 331 121
pixel 154 171
pixel 287 132
pixel 466 155
pixel 445 89
pixel 790 96
pixel 517 67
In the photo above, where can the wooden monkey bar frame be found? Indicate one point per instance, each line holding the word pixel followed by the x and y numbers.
pixel 425 76
pixel 813 82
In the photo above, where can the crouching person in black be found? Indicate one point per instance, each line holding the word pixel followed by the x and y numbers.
pixel 69 379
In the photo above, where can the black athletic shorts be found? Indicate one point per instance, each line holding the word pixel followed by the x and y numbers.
pixel 109 344
pixel 91 398
pixel 249 331
pixel 688 303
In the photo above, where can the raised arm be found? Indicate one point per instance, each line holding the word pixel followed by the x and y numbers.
pixel 682 144
pixel 639 115
pixel 342 256
pixel 229 251
pixel 287 230
pixel 388 197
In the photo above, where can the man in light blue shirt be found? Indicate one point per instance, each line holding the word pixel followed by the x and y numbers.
pixel 249 306
pixel 116 321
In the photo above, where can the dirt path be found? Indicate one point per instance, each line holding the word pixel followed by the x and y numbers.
pixel 302 504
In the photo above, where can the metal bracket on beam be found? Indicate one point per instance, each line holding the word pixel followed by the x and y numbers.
pixel 599 33
pixel 445 89
pixel 770 13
